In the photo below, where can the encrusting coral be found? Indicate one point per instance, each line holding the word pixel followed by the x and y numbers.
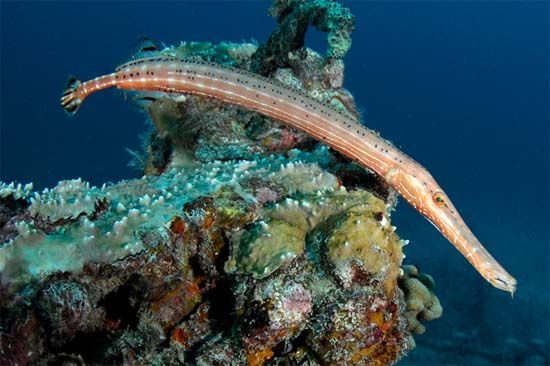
pixel 244 243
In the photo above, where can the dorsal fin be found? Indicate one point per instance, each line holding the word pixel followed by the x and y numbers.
pixel 145 47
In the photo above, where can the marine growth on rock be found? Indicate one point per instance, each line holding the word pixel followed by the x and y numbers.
pixel 244 243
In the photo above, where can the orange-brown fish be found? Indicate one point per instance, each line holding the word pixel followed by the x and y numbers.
pixel 409 178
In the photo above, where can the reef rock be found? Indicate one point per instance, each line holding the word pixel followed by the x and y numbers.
pixel 245 242
pixel 197 266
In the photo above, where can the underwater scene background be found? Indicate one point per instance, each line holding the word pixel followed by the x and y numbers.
pixel 462 87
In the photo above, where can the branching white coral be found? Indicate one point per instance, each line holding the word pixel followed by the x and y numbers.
pixel 17 191
pixel 67 200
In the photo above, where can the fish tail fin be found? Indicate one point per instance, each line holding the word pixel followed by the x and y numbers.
pixel 70 100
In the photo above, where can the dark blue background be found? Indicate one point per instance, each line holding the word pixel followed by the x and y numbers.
pixel 460 86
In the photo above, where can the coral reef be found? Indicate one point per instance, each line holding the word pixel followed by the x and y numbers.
pixel 294 17
pixel 186 127
pixel 191 129
pixel 225 53
pixel 201 265
pixel 245 242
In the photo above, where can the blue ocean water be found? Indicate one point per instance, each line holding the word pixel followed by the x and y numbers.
pixel 463 87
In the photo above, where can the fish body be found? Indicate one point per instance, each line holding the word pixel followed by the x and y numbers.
pixel 295 109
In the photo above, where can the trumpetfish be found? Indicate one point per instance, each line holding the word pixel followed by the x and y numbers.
pixel 292 108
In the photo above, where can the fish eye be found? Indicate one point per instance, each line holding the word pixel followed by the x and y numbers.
pixel 439 199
